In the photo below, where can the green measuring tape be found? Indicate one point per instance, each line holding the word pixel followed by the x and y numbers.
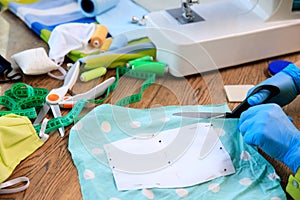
pixel 23 100
pixel 73 115
pixel 120 71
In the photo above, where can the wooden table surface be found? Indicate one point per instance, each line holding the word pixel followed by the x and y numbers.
pixel 51 170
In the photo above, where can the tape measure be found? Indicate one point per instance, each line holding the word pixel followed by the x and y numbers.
pixel 73 115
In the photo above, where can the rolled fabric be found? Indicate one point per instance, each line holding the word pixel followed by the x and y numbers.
pixel 92 8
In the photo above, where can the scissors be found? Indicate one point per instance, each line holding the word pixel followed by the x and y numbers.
pixel 236 113
pixel 56 97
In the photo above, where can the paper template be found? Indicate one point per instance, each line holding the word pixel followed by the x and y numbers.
pixel 169 159
pixel 237 93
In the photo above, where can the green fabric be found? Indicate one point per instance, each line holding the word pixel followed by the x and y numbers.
pixel 45 35
pixel 18 140
pixel 113 60
pixel 255 178
pixel 293 186
pixel 108 61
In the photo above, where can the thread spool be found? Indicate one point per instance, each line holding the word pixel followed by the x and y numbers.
pixel 93 74
pixel 158 68
pixel 99 36
pixel 118 42
pixel 144 58
pixel 105 46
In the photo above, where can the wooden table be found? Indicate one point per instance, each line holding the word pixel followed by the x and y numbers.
pixel 51 170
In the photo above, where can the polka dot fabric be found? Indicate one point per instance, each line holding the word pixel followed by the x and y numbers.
pixel 255 178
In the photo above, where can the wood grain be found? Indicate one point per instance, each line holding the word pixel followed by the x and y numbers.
pixel 51 170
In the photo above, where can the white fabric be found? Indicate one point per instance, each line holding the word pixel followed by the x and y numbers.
pixel 164 169
pixel 67 37
pixel 34 61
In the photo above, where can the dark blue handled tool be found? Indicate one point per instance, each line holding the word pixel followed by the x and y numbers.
pixel 236 113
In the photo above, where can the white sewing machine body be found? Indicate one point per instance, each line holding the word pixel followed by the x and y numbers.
pixel 232 32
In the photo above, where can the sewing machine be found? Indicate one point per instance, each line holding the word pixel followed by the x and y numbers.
pixel 199 37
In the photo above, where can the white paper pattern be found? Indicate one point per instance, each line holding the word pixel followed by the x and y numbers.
pixel 185 169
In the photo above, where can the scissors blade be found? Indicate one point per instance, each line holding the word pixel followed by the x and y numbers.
pixel 236 113
pixel 57 113
pixel 43 112
pixel 204 115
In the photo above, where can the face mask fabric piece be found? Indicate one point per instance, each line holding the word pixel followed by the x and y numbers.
pixel 255 178
pixel 18 139
pixel 34 61
pixel 67 37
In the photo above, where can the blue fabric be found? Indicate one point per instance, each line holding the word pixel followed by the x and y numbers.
pixel 255 178
pixel 49 18
pixel 118 19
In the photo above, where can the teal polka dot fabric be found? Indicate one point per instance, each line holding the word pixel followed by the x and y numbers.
pixel 255 178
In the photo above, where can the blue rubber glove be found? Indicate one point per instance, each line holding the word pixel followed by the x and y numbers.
pixel 268 127
pixel 288 81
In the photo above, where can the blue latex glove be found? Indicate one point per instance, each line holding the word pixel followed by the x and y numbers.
pixel 268 127
pixel 288 81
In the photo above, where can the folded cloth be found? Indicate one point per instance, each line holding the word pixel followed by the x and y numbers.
pixel 43 16
pixel 72 36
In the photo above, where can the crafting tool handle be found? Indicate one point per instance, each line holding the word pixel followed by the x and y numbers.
pixel 99 89
pixel 91 94
pixel 56 95
pixel 236 113
pixel 72 75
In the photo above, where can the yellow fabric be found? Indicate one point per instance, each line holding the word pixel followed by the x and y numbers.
pixel 18 139
pixel 293 186
pixel 5 2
